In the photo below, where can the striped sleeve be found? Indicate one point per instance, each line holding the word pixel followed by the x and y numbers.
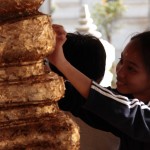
pixel 129 116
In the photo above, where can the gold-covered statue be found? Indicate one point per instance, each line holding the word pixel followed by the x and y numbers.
pixel 29 115
pixel 18 8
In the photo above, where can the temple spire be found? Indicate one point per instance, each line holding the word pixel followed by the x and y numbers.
pixel 86 24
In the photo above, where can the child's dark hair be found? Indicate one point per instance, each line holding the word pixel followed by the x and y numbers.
pixel 86 53
pixel 144 42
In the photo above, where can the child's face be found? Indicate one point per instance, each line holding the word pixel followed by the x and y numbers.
pixel 132 77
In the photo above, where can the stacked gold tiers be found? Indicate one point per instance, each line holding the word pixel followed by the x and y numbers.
pixel 29 115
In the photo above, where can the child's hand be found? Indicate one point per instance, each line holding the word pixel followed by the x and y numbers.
pixel 57 55
pixel 60 35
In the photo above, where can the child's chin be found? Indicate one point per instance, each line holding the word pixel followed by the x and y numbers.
pixel 122 91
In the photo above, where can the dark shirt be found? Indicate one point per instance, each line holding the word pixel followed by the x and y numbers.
pixel 106 109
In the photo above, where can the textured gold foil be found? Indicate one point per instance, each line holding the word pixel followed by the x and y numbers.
pixel 26 40
pixel 47 87
pixel 27 111
pixel 22 71
pixel 9 6
pixel 29 115
pixel 18 8
pixel 52 132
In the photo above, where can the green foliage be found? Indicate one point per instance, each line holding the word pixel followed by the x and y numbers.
pixel 106 14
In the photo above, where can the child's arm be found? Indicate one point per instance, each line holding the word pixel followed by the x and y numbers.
pixel 77 79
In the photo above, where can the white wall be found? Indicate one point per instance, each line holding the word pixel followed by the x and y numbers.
pixel 45 8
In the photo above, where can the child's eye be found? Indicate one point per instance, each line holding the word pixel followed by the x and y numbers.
pixel 131 69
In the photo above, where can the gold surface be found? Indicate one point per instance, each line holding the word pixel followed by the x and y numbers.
pixel 29 115
pixel 48 87
pixel 22 71
pixel 15 8
pixel 52 132
pixel 17 112
pixel 30 39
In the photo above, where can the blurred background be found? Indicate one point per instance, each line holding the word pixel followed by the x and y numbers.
pixel 113 21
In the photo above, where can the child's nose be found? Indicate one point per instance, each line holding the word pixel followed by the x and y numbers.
pixel 120 71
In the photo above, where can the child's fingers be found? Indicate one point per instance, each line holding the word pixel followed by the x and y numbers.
pixel 56 26
pixel 60 34
pixel 59 29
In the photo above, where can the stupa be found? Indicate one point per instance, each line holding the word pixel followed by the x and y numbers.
pixel 29 115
